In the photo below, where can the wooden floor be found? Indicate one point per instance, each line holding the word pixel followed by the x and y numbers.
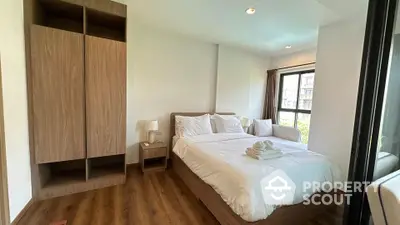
pixel 157 198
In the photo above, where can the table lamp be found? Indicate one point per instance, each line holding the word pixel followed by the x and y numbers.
pixel 152 129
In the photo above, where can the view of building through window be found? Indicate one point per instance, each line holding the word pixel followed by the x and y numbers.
pixel 295 102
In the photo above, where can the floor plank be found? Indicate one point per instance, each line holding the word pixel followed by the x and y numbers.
pixel 156 198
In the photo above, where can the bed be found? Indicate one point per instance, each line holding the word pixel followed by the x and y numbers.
pixel 228 182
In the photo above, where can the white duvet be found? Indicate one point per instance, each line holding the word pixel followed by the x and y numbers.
pixel 219 160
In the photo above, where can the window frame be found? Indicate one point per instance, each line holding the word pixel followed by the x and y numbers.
pixel 296 111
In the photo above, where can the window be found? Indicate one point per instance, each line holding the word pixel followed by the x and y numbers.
pixel 295 101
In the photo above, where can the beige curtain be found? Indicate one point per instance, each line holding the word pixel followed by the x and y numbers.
pixel 269 103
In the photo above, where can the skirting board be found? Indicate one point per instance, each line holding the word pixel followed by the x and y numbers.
pixel 22 213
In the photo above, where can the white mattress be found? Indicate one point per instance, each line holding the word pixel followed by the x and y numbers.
pixel 219 160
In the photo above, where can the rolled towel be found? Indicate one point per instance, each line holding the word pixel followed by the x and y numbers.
pixel 259 145
pixel 268 142
pixel 263 146
pixel 269 145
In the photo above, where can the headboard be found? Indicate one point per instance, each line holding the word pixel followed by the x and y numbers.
pixel 172 122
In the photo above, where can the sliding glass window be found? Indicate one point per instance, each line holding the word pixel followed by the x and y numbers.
pixel 295 101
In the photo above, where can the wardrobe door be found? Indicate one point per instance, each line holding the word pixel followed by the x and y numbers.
pixel 58 94
pixel 105 96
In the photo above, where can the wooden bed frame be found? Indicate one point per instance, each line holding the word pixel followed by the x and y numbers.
pixel 295 214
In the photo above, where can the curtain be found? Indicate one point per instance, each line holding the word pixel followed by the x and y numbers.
pixel 270 93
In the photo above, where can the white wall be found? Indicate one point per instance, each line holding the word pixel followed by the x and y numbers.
pixel 12 52
pixel 241 82
pixel 171 73
pixel 293 59
pixel 166 73
pixel 335 92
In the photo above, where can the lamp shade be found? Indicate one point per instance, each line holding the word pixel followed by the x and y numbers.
pixel 153 125
pixel 245 122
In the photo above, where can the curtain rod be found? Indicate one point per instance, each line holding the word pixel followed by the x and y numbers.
pixel 289 67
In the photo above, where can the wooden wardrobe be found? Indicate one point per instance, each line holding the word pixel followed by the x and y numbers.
pixel 77 87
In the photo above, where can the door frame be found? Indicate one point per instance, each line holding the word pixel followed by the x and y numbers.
pixel 4 201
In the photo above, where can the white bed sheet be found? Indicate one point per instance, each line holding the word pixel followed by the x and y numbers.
pixel 219 160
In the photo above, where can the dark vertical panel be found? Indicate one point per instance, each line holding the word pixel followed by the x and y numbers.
pixel 379 30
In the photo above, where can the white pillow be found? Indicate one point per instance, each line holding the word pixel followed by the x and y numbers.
pixel 288 133
pixel 228 124
pixel 213 118
pixel 263 128
pixel 186 126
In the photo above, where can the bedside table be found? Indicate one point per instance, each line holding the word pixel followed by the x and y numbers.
pixel 153 157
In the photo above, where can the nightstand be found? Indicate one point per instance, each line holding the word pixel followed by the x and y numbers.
pixel 153 157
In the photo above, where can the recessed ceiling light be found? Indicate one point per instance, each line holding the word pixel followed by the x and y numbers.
pixel 288 46
pixel 250 11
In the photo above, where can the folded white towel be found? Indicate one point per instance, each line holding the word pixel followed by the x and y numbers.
pixel 264 156
pixel 263 152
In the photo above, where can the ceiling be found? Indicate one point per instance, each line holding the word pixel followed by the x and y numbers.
pixel 275 24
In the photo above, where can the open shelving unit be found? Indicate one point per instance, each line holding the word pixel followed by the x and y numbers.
pixel 81 170
pixel 61 178
pixel 76 18
pixel 100 24
pixel 60 15
pixel 106 166
pixel 60 173
pixel 154 164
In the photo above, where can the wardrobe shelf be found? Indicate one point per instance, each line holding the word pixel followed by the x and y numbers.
pixel 60 15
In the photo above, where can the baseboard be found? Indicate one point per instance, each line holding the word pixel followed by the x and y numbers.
pixel 22 213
